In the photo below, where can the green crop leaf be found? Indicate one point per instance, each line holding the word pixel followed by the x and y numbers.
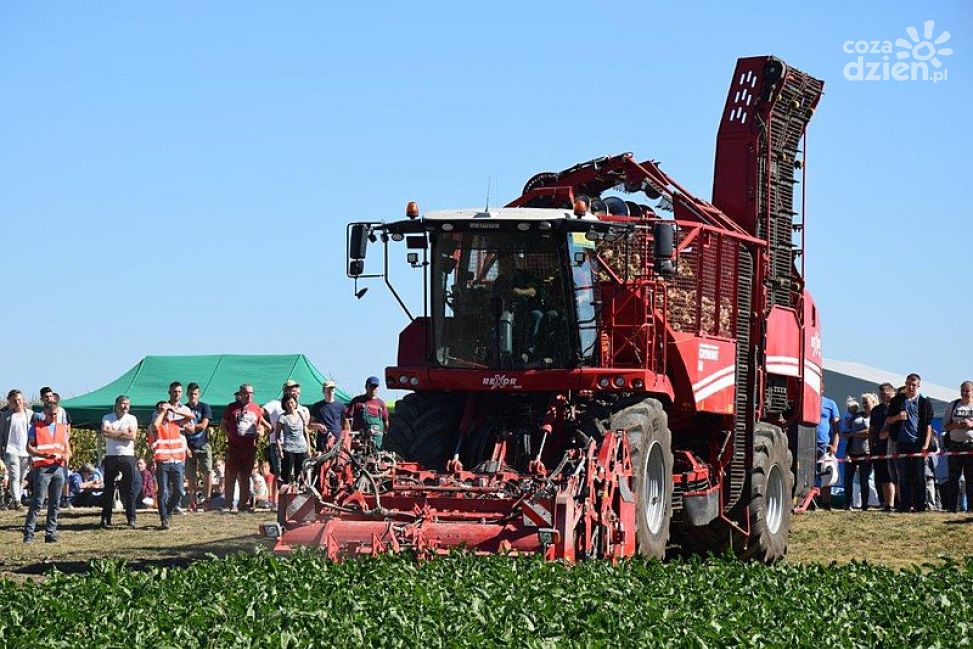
pixel 259 600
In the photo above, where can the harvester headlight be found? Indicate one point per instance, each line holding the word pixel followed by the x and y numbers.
pixel 414 381
pixel 404 380
pixel 547 536
pixel 447 227
pixel 523 227
pixel 270 530
pixel 638 384
pixel 390 381
pixel 397 236
pixel 619 381
pixel 603 382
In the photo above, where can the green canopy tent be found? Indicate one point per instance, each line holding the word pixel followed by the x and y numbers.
pixel 219 377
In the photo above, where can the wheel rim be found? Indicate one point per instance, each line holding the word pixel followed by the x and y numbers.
pixel 653 489
pixel 774 499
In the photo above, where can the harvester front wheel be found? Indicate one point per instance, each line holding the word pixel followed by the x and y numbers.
pixel 423 428
pixel 771 486
pixel 650 444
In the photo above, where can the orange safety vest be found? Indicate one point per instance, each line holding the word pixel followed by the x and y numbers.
pixel 168 444
pixel 50 439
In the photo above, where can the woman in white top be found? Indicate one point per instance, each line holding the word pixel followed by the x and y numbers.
pixel 293 440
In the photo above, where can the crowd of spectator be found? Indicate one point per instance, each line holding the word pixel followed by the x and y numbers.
pixel 179 473
pixel 889 438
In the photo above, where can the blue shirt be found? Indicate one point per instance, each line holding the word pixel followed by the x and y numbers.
pixel 200 438
pixel 910 427
pixel 329 414
pixel 829 412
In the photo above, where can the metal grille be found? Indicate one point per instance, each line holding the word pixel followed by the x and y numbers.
pixel 683 311
pixel 628 258
pixel 727 289
pixel 701 296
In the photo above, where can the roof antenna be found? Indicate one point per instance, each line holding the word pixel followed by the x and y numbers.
pixel 489 182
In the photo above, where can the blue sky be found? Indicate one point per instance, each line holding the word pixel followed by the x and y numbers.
pixel 177 176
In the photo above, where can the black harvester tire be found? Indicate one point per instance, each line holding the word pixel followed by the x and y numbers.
pixel 423 428
pixel 650 445
pixel 771 486
pixel 768 536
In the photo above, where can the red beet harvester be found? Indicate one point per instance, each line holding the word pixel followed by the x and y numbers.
pixel 655 386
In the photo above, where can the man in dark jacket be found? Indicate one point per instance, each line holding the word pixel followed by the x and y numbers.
pixel 910 423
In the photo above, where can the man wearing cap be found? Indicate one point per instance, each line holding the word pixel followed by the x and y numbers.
pixel 326 416
pixel 368 413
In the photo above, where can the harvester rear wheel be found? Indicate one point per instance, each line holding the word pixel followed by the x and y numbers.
pixel 423 428
pixel 650 444
pixel 771 486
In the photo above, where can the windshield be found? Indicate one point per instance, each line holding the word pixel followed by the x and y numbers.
pixel 503 300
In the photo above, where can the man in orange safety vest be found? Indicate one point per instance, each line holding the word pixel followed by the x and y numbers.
pixel 49 445
pixel 169 450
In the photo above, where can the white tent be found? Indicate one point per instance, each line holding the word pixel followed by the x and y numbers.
pixel 845 378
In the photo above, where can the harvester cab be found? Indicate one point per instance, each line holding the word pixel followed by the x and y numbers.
pixel 606 365
pixel 506 289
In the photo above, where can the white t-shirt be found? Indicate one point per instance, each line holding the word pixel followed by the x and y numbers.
pixel 274 411
pixel 125 447
pixel 959 412
pixel 17 442
pixel 258 486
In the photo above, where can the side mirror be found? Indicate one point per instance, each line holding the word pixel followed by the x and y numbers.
pixel 663 236
pixel 358 241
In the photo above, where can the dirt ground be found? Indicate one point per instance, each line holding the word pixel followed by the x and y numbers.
pixel 894 540
pixel 890 539
pixel 191 537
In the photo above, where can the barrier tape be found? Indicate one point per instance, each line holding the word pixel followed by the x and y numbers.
pixel 895 456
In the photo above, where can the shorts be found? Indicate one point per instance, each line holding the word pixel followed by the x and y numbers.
pixel 199 466
pixel 893 465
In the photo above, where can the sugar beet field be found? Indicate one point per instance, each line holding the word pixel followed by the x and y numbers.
pixel 163 590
